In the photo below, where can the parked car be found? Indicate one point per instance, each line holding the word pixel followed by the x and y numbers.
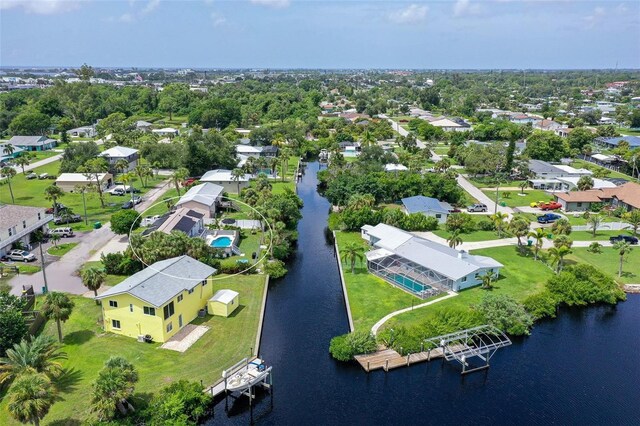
pixel 189 182
pixel 21 256
pixel 118 191
pixel 137 199
pixel 31 176
pixel 43 176
pixel 127 205
pixel 455 210
pixel 61 208
pixel 551 205
pixel 477 208
pixel 64 232
pixel 548 218
pixel 66 219
pixel 627 238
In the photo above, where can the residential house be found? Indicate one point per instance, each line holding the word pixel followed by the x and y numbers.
pixel 116 154
pixel 626 195
pixel 159 300
pixel 69 181
pixel 548 125
pixel 4 151
pixel 420 266
pixel 186 220
pixel 143 126
pixel 633 141
pixel 225 179
pixel 167 131
pixel 33 143
pixel 17 223
pixel 522 119
pixel 552 176
pixel 451 125
pixel 427 206
pixel 205 196
pixel 83 132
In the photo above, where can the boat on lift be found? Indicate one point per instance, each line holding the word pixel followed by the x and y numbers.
pixel 245 374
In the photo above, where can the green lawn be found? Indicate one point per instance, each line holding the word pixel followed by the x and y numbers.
pixel 600 235
pixel 370 297
pixel 591 166
pixel 520 278
pixel 61 249
pixel 471 237
pixel 87 346
pixel 28 268
pixel 31 193
pixel 579 219
pixel 515 199
pixel 41 155
pixel 628 132
pixel 609 261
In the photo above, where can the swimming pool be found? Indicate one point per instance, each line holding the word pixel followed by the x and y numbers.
pixel 221 242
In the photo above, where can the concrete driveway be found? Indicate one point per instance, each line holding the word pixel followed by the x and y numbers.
pixel 482 197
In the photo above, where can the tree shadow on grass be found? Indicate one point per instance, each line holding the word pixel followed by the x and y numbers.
pixel 65 422
pixel 68 380
pixel 78 337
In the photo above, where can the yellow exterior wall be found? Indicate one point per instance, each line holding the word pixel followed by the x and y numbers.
pixel 221 309
pixel 136 323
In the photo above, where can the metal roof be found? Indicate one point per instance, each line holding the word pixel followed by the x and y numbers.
pixel 117 152
pixel 224 296
pixel 162 281
pixel 206 193
pixel 420 204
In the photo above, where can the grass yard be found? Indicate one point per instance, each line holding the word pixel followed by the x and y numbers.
pixel 26 268
pixel 600 235
pixel 88 347
pixel 370 297
pixel 471 237
pixel 111 280
pixel 576 218
pixel 31 193
pixel 520 278
pixel 61 249
pixel 486 182
pixel 515 199
pixel 609 261
pixel 628 132
pixel 591 166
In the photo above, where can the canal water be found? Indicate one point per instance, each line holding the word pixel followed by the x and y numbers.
pixel 582 368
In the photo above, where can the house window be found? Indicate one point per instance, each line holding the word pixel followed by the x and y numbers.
pixel 10 232
pixel 39 216
pixel 24 224
pixel 149 311
pixel 438 215
pixel 204 282
pixel 190 290
pixel 579 205
pixel 113 303
pixel 168 310
pixel 169 327
pixel 180 297
pixel 115 324
pixel 463 279
pixel 130 307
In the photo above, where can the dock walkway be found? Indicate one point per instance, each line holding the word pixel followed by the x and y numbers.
pixel 388 359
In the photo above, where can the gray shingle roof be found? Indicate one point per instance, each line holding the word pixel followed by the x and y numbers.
pixel 420 204
pixel 162 281
pixel 29 140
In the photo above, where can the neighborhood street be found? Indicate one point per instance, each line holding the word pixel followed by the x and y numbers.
pixel 398 128
pixel 481 196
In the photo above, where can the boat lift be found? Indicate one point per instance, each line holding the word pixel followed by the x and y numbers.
pixel 243 377
pixel 481 342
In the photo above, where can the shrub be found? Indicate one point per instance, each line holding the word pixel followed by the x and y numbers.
pixel 584 284
pixel 275 268
pixel 506 314
pixel 486 225
pixel 540 305
pixel 419 222
pixel 182 403
pixel 461 222
pixel 12 324
pixel 345 347
pixel 120 264
pixel 124 221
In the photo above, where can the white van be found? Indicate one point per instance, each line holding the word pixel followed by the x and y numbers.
pixel 63 232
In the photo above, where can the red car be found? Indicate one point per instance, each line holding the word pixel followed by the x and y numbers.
pixel 552 205
pixel 189 182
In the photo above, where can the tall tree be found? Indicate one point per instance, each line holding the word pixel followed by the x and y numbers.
pixel 93 169
pixel 53 193
pixel 57 307
pixel 455 239
pixel 236 175
pixel 538 235
pixel 23 161
pixel 352 252
pixel 93 278
pixel 39 354
pixel 113 388
pixel 623 248
pixel 178 177
pixel 9 173
pixel 594 220
pixel 30 398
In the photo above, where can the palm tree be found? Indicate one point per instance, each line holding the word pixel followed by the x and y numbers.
pixel 455 239
pixel 9 173
pixel 443 165
pixel 236 175
pixel 623 249
pixel 8 149
pixel 594 221
pixel 519 227
pixel 557 256
pixel 39 354
pixel 273 164
pixel 487 279
pixel 368 138
pixel 58 307
pixel 82 189
pixel 585 183
pixel 121 165
pixel 144 172
pixel 538 235
pixel 360 201
pixel 23 161
pixel 633 218
pixel 93 278
pixel 55 238
pixel 113 387
pixel 352 252
pixel 279 140
pixel 524 185
pixel 498 218
pixel 53 193
pixel 561 227
pixel 30 398
pixel 285 153
pixel 178 177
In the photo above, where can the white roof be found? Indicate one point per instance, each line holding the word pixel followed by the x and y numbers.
pixel 79 177
pixel 165 130
pixel 221 175
pixel 394 167
pixel 597 183
pixel 118 151
pixel 602 157
pixel 224 296
pixel 445 122
pixel 206 193
pixel 573 170
pixel 248 149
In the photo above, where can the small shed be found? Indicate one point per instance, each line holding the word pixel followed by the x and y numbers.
pixel 223 303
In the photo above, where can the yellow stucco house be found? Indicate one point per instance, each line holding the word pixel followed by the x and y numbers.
pixel 158 300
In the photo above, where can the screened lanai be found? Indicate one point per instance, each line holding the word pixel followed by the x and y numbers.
pixel 407 275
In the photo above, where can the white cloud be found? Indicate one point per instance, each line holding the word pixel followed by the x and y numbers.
pixel 41 7
pixel 465 7
pixel 411 14
pixel 126 18
pixel 218 19
pixel 150 7
pixel 622 9
pixel 277 4
pixel 596 16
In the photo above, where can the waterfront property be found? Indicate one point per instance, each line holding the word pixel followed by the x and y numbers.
pixel 420 266
pixel 205 196
pixel 17 223
pixel 186 220
pixel 226 179
pixel 159 300
pixel 427 206
pixel 33 143
pixel 223 303
pixel 226 241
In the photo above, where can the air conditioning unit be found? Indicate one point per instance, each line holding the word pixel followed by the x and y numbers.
pixel 141 338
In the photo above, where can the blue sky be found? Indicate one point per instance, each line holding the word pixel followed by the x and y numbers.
pixel 321 34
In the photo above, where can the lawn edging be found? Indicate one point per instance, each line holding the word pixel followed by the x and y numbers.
pixel 260 322
pixel 344 287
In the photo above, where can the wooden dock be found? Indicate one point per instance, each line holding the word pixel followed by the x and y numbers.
pixel 388 359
